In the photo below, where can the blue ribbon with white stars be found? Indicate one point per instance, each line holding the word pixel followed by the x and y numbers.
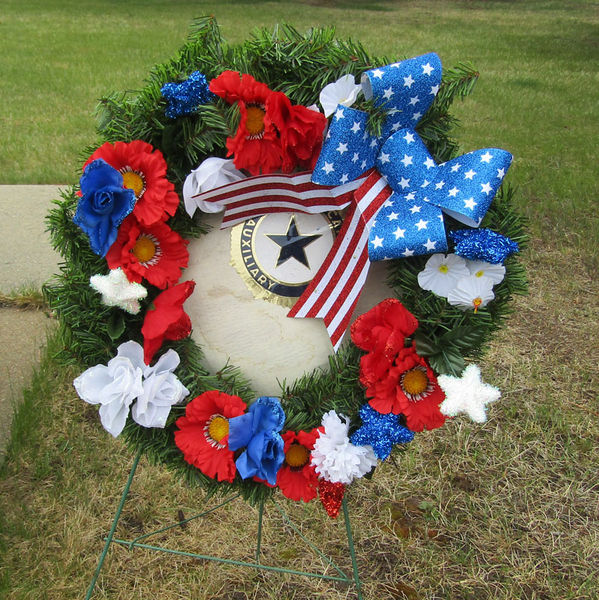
pixel 404 89
pixel 410 222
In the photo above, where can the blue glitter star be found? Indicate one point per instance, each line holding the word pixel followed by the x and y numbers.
pixel 483 244
pixel 185 97
pixel 380 431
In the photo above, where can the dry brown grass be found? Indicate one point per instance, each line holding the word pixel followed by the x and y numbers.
pixel 506 510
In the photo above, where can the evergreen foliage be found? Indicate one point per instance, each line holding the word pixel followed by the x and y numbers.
pixel 299 65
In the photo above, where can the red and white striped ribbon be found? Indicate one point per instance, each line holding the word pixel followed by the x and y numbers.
pixel 255 196
pixel 333 293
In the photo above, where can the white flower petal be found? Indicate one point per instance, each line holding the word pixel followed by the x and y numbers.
pixel 213 173
pixel 134 352
pixel 471 292
pixel 442 272
pixel 480 268
pixel 343 91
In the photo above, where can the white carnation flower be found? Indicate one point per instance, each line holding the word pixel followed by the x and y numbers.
pixel 335 458
pixel 480 268
pixel 213 173
pixel 117 290
pixel 472 292
pixel 114 387
pixel 343 91
pixel 442 272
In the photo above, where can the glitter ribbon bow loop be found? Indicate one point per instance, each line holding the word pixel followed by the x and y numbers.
pixel 405 90
pixel 411 220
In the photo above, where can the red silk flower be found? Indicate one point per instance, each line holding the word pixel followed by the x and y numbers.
pixel 168 320
pixel 272 134
pixel 204 430
pixel 144 171
pixel 409 388
pixel 155 252
pixel 297 478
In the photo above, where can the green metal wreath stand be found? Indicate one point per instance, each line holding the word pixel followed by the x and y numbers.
pixel 354 579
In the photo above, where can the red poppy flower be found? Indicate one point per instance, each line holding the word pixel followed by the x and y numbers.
pixel 410 388
pixel 297 478
pixel 272 134
pixel 204 430
pixel 152 252
pixel 144 171
pixel 383 328
pixel 168 320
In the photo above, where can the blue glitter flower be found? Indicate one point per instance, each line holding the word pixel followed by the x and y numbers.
pixel 483 244
pixel 103 205
pixel 185 97
pixel 258 431
pixel 380 431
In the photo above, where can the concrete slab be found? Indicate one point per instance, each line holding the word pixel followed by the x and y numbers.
pixel 26 256
pixel 22 335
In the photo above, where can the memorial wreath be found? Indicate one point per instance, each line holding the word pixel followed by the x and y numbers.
pixel 293 123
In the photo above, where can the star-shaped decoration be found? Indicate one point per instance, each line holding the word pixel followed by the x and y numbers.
pixel 378 73
pixel 439 185
pixel 415 209
pixel 117 290
pixel 411 196
pixel 408 81
pixel 342 148
pixel 377 242
pixel 485 188
pixel 455 168
pixel 425 183
pixel 500 173
pixel 355 127
pixel 380 431
pixel 434 90
pixel 393 216
pixel 469 174
pixel 486 157
pixel 384 157
pixel 404 183
pixel 470 203
pixel 409 137
pixel 396 126
pixel 467 394
pixel 328 167
pixel 416 116
pixel 407 253
pixel 339 114
pixel 344 178
pixel 292 244
pixel 453 192
pixel 414 100
pixel 429 163
pixel 356 157
pixel 388 93
pixel 399 233
pixel 421 224
pixel 406 160
pixel 427 69
pixel 387 202
pixel 430 246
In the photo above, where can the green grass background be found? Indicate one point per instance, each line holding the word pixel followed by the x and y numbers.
pixel 507 510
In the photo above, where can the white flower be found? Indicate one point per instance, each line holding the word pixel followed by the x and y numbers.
pixel 212 173
pixel 114 387
pixel 117 290
pixel 161 388
pixel 335 458
pixel 472 292
pixel 467 394
pixel 343 91
pixel 480 268
pixel 442 272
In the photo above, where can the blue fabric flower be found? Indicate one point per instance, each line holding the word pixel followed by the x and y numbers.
pixel 103 205
pixel 483 244
pixel 380 431
pixel 258 432
pixel 184 98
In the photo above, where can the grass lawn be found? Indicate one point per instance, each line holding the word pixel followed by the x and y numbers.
pixel 504 510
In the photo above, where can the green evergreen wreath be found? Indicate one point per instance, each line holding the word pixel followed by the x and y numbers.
pixel 299 66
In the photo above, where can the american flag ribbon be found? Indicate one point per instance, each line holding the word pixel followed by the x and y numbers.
pixel 333 293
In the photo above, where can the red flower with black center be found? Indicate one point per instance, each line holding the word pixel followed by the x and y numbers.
pixel 168 320
pixel 144 171
pixel 155 252
pixel 272 134
pixel 410 388
pixel 297 478
pixel 204 431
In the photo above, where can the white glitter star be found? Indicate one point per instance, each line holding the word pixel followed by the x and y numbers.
pixel 408 81
pixel 399 233
pixel 421 224
pixel 117 290
pixel 415 209
pixel 356 157
pixel 355 127
pixel 409 137
pixel 470 203
pixel 339 114
pixel 384 158
pixel 453 192
pixel 404 183
pixel 341 148
pixel 455 168
pixel 469 174
pixel 439 185
pixel 486 157
pixel 500 173
pixel 392 216
pixel 377 242
pixel 378 73
pixel 328 167
pixel 429 163
pixel 416 116
pixel 434 90
pixel 430 246
pixel 344 178
pixel 467 394
pixel 414 100
pixel 406 160
pixel 388 93
pixel 407 252
pixel 427 69
pixel 485 188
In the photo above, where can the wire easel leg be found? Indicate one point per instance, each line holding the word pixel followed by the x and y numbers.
pixel 117 516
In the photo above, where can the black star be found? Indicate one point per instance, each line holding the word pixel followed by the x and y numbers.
pixel 292 244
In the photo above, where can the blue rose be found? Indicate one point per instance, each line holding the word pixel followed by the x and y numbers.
pixel 258 432
pixel 103 205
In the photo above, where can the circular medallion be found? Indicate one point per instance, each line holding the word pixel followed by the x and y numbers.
pixel 277 255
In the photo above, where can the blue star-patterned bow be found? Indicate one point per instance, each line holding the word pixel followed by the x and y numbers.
pixel 411 220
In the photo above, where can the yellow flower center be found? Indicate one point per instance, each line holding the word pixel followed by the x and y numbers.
pixel 476 303
pixel 144 249
pixel 218 428
pixel 297 456
pixel 254 122
pixel 479 273
pixel 134 180
pixel 415 382
pixel 443 268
